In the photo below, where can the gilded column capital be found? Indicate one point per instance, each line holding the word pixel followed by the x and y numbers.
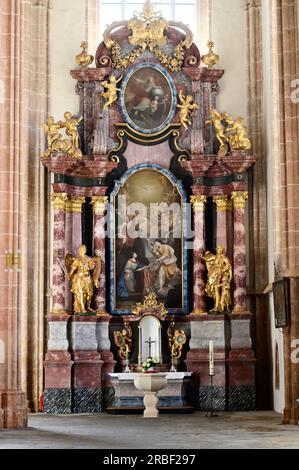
pixel 99 204
pixel 76 204
pixel 59 201
pixel 198 203
pixel 239 199
pixel 222 203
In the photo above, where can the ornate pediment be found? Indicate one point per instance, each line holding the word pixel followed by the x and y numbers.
pixel 150 305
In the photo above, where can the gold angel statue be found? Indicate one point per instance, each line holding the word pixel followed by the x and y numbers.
pixel 216 120
pixel 176 341
pixel 111 94
pixel 219 279
pixel 123 340
pixel 236 132
pixel 187 106
pixel 84 273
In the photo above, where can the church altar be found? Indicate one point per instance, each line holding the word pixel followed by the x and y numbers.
pixel 149 239
pixel 176 396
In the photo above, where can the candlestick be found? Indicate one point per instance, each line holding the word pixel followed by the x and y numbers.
pixel 211 358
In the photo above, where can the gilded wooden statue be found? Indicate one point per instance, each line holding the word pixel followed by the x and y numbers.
pixel 219 279
pixel 187 106
pixel 231 134
pixel 236 132
pixel 176 341
pixel 111 94
pixel 123 340
pixel 58 143
pixel 84 273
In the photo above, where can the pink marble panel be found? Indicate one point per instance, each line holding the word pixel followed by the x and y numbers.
pixel 159 154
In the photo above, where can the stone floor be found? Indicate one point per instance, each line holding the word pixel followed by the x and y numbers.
pixel 260 430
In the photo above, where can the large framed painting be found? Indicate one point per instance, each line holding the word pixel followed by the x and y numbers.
pixel 148 98
pixel 148 252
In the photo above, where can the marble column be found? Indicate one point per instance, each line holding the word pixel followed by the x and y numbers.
pixel 221 204
pixel 76 208
pixel 239 202
pixel 99 204
pixel 68 249
pixel 58 277
pixel 199 304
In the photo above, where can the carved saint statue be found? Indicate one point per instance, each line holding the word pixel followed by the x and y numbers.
pixel 71 126
pixel 176 341
pixel 83 273
pixel 111 94
pixel 187 106
pixel 219 279
pixel 123 340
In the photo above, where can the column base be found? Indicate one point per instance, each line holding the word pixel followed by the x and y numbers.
pixel 199 312
pixel 87 400
pixel 14 412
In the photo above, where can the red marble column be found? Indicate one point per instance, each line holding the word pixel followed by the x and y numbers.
pixel 58 277
pixel 222 204
pixel 99 204
pixel 239 202
pixel 68 249
pixel 199 304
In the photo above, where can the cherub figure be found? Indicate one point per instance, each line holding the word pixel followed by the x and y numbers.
pixel 237 133
pixel 187 106
pixel 216 120
pixel 111 94
pixel 83 272
pixel 55 140
pixel 71 128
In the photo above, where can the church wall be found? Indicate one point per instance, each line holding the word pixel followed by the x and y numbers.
pixel 230 44
pixel 67 31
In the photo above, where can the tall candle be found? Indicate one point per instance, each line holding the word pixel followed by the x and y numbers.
pixel 211 358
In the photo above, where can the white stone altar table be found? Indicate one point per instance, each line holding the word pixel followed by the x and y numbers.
pixel 176 397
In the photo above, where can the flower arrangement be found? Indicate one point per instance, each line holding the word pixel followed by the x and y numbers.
pixel 149 363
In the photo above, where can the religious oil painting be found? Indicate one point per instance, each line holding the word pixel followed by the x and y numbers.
pixel 148 98
pixel 149 242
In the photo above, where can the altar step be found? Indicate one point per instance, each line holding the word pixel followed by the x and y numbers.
pixel 138 410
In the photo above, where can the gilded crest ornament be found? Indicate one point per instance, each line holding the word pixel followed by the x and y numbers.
pixel 148 31
pixel 210 59
pixel 176 341
pixel 148 28
pixel 84 59
pixel 150 302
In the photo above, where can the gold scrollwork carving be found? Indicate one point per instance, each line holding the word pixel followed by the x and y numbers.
pixel 150 302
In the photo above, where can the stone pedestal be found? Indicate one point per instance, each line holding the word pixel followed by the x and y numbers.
pixel 234 380
pixel 150 385
pixel 58 367
pixel 241 365
pixel 87 365
pixel 107 357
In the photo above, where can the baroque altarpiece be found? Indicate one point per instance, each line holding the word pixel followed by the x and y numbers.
pixel 149 186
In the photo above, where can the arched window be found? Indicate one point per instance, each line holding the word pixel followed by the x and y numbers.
pixel 178 10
